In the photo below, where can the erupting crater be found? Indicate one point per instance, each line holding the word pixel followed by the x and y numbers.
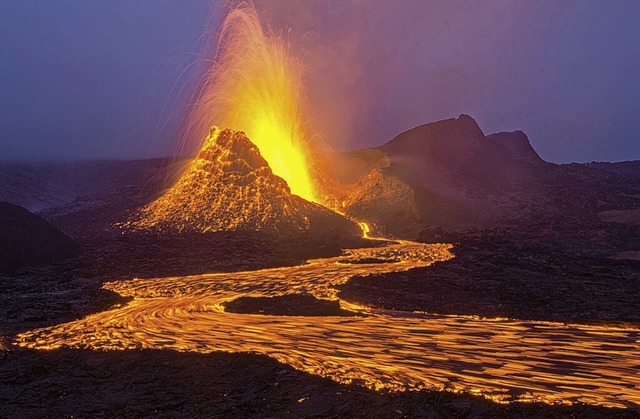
pixel 230 186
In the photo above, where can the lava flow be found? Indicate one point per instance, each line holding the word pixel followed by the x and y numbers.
pixel 254 84
pixel 499 358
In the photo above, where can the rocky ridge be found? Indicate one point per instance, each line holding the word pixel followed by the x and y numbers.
pixel 449 175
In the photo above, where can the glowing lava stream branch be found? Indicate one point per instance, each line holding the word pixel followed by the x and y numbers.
pixel 499 358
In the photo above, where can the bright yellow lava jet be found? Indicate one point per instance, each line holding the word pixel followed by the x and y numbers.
pixel 255 85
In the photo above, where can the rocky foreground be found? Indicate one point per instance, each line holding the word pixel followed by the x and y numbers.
pixel 147 383
pixel 533 240
pixel 79 383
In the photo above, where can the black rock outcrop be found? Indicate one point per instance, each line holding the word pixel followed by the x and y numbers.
pixel 28 240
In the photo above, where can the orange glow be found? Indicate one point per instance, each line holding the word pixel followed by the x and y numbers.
pixel 227 186
pixel 501 359
pixel 365 229
pixel 255 85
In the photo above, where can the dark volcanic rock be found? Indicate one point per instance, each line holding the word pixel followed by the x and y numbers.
pixel 446 173
pixel 629 171
pixel 456 153
pixel 516 145
pixel 152 383
pixel 449 175
pixel 510 274
pixel 28 240
pixel 287 305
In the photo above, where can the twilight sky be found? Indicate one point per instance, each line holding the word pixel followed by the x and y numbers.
pixel 107 78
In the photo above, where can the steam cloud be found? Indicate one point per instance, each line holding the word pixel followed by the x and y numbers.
pixel 377 68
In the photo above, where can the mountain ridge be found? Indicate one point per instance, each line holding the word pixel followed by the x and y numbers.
pixel 445 175
pixel 448 174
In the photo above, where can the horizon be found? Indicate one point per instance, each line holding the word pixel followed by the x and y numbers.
pixel 44 161
pixel 108 81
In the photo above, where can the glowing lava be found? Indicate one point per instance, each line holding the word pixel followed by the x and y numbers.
pixel 255 85
pixel 501 359
pixel 230 186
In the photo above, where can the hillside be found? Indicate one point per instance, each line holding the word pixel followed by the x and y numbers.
pixel 449 175
pixel 28 240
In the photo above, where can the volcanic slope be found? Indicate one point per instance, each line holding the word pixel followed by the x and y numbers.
pixel 28 240
pixel 449 174
pixel 230 186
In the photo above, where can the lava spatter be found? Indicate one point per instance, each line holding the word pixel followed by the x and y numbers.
pixel 230 186
pixel 254 84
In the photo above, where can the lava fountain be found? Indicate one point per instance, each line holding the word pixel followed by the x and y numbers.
pixel 254 84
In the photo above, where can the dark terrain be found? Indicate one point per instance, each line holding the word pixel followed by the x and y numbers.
pixel 450 175
pixel 150 383
pixel 28 240
pixel 143 383
pixel 533 240
pixel 287 305
pixel 495 275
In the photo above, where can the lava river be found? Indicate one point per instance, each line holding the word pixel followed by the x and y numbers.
pixel 499 358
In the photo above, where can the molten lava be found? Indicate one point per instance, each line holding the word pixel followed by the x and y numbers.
pixel 255 173
pixel 230 186
pixel 255 85
pixel 502 359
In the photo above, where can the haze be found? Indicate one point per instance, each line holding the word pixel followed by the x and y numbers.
pixel 109 79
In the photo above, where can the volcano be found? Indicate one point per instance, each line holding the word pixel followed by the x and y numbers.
pixel 230 186
pixel 450 175
pixel 446 173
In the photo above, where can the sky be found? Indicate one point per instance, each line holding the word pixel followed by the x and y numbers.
pixel 87 79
